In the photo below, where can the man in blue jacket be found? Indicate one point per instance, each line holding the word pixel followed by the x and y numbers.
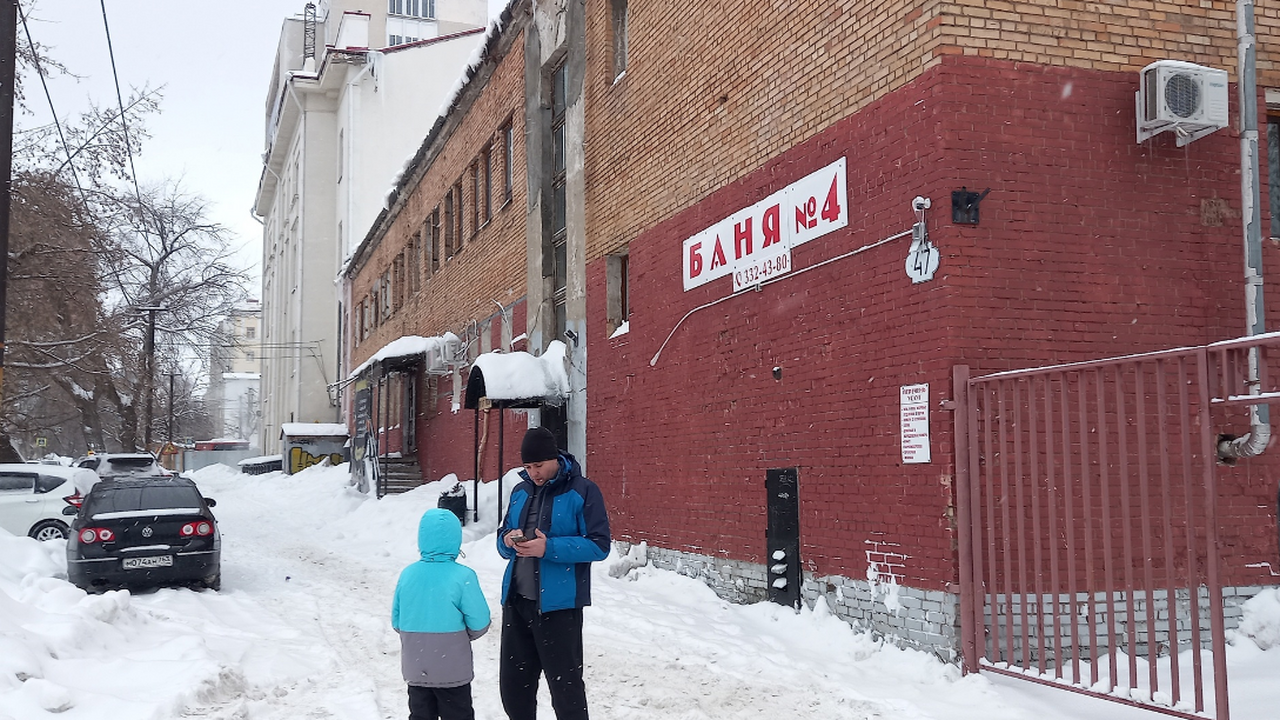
pixel 556 526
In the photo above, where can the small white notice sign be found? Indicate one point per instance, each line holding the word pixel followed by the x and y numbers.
pixel 914 413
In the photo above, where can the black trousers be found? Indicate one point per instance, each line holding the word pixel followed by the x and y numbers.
pixel 432 703
pixel 536 643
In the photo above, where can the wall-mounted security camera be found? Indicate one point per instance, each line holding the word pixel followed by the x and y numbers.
pixel 571 336
pixel 921 203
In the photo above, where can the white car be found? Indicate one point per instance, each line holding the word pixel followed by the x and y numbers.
pixel 33 497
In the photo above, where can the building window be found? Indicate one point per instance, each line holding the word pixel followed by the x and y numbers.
pixel 557 206
pixel 386 294
pixel 457 233
pixel 475 196
pixel 617 294
pixel 1273 172
pixel 248 355
pixel 619 13
pixel 486 183
pixel 413 254
pixel 250 332
pixel 412 8
pixel 435 240
pixel 397 280
pixel 342 152
pixel 448 224
pixel 508 161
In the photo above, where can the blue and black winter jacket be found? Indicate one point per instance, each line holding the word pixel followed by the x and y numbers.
pixel 576 524
pixel 438 607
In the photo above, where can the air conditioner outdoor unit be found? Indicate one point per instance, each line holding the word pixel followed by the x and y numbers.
pixel 442 357
pixel 1189 99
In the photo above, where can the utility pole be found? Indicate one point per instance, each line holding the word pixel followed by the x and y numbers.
pixel 149 359
pixel 8 76
pixel 169 430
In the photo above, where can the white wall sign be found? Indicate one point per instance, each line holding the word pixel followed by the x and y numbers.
pixel 754 244
pixel 914 413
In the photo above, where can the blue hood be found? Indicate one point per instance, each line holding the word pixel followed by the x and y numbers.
pixel 439 536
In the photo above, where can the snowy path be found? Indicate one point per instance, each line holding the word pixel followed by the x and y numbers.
pixel 301 631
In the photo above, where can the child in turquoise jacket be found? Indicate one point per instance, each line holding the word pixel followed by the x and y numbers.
pixel 438 610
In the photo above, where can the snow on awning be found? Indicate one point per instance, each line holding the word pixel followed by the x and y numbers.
pixel 406 347
pixel 312 429
pixel 519 379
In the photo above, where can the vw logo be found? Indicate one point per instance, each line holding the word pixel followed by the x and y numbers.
pixel 146 532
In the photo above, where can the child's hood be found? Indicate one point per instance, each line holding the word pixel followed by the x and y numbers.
pixel 439 535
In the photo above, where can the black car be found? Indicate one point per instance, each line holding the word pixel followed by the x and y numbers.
pixel 110 466
pixel 141 532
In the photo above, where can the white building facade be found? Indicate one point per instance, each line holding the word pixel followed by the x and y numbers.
pixel 235 374
pixel 351 97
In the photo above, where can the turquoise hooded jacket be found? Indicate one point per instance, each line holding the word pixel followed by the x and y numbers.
pixel 438 607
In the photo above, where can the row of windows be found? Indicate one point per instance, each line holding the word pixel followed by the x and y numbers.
pixel 412 8
pixel 441 237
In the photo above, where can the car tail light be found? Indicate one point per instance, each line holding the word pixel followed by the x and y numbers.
pixel 93 535
pixel 74 500
pixel 202 528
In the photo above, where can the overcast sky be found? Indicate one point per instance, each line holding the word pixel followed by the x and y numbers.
pixel 213 61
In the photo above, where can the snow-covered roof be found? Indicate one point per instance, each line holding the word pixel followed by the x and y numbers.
pixel 519 376
pixel 405 347
pixel 313 429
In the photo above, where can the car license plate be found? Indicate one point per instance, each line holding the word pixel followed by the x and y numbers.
pixel 148 562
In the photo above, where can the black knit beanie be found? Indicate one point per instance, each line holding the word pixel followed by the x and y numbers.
pixel 538 445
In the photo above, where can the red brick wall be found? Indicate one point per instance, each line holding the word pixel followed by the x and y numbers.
pixel 459 296
pixel 1090 245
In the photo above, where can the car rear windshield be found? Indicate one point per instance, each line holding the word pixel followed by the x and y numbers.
pixel 147 497
pixel 129 466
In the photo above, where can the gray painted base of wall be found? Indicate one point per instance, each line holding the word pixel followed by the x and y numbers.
pixel 907 617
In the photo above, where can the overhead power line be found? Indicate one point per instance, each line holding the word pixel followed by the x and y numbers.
pixel 124 123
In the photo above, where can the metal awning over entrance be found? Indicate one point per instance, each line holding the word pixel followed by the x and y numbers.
pixel 515 380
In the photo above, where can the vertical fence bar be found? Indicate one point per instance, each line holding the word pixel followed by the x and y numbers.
pixel 1054 577
pixel 1148 552
pixel 1104 492
pixel 964 529
pixel 1086 517
pixel 1036 531
pixel 1193 575
pixel 1020 481
pixel 1068 494
pixel 1006 545
pixel 989 469
pixel 1166 529
pixel 973 395
pixel 1209 480
pixel 1126 525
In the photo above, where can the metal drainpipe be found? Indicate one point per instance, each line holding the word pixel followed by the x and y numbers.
pixel 1255 442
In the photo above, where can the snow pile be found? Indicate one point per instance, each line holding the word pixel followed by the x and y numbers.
pixel 301 629
pixel 521 376
pixel 1262 619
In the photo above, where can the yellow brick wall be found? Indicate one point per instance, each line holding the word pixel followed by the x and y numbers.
pixel 713 91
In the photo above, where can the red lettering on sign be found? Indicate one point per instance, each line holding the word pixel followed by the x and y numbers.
pixel 831 208
pixel 695 260
pixel 771 225
pixel 717 255
pixel 741 239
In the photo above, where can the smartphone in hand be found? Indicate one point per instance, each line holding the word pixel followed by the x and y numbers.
pixel 517 536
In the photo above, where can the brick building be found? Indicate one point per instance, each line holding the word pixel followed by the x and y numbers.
pixel 643 140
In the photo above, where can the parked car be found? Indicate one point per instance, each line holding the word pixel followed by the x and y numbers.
pixel 145 531
pixel 118 465
pixel 32 498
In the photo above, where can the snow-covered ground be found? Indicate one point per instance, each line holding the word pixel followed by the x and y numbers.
pixel 301 630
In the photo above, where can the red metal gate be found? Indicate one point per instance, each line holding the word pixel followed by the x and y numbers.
pixel 1087 522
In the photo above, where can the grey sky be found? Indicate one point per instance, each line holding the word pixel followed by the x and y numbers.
pixel 213 61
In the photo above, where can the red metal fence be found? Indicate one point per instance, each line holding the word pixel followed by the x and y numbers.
pixel 1087 518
